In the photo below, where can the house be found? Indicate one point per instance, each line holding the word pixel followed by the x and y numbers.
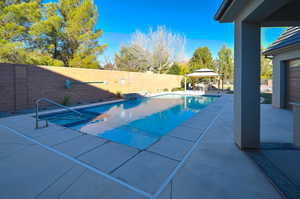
pixel 285 53
pixel 248 18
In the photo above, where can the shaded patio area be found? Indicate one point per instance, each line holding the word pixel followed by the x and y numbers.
pixel 198 159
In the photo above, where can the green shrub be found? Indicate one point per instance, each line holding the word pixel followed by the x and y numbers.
pixel 66 101
pixel 166 90
pixel 119 94
pixel 228 88
pixel 267 98
pixel 177 89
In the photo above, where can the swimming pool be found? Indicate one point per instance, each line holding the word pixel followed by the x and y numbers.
pixel 137 123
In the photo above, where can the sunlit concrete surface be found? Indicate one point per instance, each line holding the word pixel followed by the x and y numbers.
pixel 198 159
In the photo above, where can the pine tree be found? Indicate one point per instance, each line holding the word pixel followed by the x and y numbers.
pixel 16 19
pixel 68 33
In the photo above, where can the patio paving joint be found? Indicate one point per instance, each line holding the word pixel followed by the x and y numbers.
pixel 66 140
pixel 115 169
pixel 100 145
pixel 164 156
pixel 184 139
pixel 171 192
pixel 187 126
pixel 72 183
pixel 52 183
pixel 179 138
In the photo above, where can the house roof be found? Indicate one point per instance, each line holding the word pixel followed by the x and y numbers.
pixel 289 37
pixel 222 9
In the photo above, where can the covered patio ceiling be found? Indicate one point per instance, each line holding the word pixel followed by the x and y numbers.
pixel 267 13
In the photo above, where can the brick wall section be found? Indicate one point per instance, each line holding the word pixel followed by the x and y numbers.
pixel 7 94
pixel 21 85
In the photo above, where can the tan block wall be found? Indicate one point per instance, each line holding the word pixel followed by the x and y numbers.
pixel 21 85
pixel 122 81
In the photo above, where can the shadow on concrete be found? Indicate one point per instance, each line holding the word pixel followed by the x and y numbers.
pixel 280 163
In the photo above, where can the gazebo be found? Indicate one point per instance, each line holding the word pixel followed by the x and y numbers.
pixel 202 73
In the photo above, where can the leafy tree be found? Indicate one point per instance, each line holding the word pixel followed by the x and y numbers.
pixel 67 33
pixel 132 58
pixel 16 18
pixel 202 58
pixel 178 69
pixel 266 68
pixel 175 69
pixel 225 63
pixel 184 68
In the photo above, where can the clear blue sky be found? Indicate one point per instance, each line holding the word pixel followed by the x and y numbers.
pixel 193 18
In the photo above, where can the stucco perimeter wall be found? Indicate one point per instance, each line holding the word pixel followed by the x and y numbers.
pixel 21 85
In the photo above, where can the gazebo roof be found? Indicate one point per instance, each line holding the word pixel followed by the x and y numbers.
pixel 204 72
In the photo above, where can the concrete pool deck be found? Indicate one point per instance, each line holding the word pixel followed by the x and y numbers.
pixel 196 160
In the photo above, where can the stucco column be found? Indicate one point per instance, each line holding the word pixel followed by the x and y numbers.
pixel 279 83
pixel 247 85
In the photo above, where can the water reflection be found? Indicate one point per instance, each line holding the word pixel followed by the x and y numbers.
pixel 156 114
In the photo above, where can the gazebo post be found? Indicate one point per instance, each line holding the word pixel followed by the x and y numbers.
pixel 222 79
pixel 185 84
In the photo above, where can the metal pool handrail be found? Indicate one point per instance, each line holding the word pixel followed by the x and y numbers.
pixel 37 119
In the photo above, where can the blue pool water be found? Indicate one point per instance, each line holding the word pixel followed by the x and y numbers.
pixel 137 123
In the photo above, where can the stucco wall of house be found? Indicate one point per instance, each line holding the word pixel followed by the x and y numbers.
pixel 21 85
pixel 279 76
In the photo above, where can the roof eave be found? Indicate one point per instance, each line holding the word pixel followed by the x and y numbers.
pixel 229 11
pixel 283 49
pixel 226 4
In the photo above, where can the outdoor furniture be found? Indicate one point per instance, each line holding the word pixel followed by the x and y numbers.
pixel 201 87
pixel 202 73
